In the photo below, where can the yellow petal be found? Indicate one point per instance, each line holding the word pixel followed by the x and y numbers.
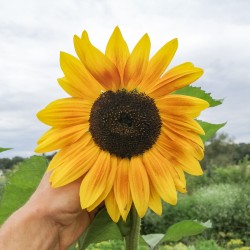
pixel 117 51
pixel 70 87
pixel 78 76
pixel 182 122
pixel 57 138
pixel 158 64
pixel 65 154
pixel 137 63
pixel 110 184
pixel 186 132
pixel 69 167
pixel 181 105
pixel 112 207
pixel 155 200
pixel 97 63
pixel 174 79
pixel 122 189
pixel 66 112
pixel 95 181
pixel 139 186
pixel 161 179
pixel 184 143
pixel 179 178
pixel 179 157
pixel 190 165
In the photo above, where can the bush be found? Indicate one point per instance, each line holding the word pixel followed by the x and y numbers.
pixel 226 205
pixel 206 245
pixel 231 174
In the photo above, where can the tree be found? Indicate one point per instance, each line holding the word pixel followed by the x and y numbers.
pixel 220 151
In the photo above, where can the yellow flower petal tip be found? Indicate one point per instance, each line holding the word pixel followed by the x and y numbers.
pixel 174 42
pixel 85 35
pixel 122 130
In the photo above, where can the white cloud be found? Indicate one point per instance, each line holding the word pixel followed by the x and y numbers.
pixel 213 34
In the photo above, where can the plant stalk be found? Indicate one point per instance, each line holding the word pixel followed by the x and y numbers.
pixel 132 239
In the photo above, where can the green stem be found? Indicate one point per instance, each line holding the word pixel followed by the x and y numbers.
pixel 132 239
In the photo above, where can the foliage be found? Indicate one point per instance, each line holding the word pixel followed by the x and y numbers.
pixel 176 232
pixel 24 179
pixel 234 243
pixel 221 151
pixel 110 231
pixel 226 205
pixel 20 185
pixel 209 129
pixel 107 245
pixel 199 93
pixel 238 174
pixel 185 228
pixel 6 163
pixel 4 149
pixel 206 245
pixel 242 150
pixel 96 233
pixel 198 245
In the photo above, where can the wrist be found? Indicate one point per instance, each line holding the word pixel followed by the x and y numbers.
pixel 22 229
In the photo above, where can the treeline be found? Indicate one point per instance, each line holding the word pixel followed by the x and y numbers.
pixel 220 151
pixel 8 163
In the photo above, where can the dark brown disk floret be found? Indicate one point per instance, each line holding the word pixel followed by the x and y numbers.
pixel 125 123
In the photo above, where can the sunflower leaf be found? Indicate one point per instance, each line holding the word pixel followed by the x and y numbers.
pixel 125 227
pixel 101 229
pixel 4 149
pixel 21 183
pixel 210 129
pixel 184 228
pixel 199 93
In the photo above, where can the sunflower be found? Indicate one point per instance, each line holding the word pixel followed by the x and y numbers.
pixel 124 131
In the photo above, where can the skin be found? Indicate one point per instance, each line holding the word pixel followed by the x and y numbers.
pixel 52 219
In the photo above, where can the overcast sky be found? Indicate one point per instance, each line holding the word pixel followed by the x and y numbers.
pixel 214 35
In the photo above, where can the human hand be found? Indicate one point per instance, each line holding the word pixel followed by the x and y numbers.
pixel 62 206
pixel 51 219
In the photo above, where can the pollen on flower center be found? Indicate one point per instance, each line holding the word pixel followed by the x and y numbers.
pixel 124 123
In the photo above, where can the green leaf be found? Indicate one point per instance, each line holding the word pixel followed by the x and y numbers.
pixel 152 239
pixel 21 183
pixel 101 229
pixel 125 226
pixel 183 229
pixel 199 93
pixel 142 243
pixel 4 149
pixel 210 129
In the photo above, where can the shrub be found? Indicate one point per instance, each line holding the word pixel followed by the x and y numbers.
pixel 231 174
pixel 234 243
pixel 226 205
pixel 206 245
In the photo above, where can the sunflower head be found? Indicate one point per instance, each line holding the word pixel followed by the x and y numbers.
pixel 123 130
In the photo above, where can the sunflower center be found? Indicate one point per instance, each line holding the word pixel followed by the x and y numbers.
pixel 124 123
